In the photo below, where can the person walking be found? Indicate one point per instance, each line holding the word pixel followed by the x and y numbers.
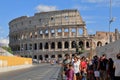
pixel 70 72
pixel 103 63
pixel 66 61
pixel 111 69
pixel 76 66
pixel 83 65
pixel 117 67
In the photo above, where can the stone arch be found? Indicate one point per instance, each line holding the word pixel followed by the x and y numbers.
pixel 59 56
pixel 40 46
pixel 73 44
pixel 99 43
pixel 106 43
pixel 35 46
pixel 87 44
pixel 46 56
pixel 73 55
pixel 53 45
pixel 66 44
pixel 35 57
pixel 46 45
pixel 59 45
pixel 52 56
pixel 81 44
pixel 40 57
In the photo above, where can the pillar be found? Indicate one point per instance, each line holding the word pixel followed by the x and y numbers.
pixel 76 32
pixel 69 44
pixel 56 45
pixel 55 33
pixel 37 46
pixel 69 32
pixel 43 46
pixel 63 45
pixel 43 56
pixel 62 32
pixel 85 44
pixel 84 31
pixel 49 33
pixel 49 47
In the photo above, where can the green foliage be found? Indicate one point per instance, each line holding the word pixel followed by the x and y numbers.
pixel 7 49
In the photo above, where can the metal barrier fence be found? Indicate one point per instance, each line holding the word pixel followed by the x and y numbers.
pixel 7 61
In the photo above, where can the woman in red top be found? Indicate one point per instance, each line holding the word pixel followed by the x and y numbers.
pixel 83 68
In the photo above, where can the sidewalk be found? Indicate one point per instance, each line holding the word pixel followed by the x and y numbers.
pixel 5 69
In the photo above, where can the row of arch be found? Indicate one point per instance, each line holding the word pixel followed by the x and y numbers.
pixel 47 32
pixel 54 45
pixel 58 45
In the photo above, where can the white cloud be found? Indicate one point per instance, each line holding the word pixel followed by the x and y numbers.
pixel 79 7
pixel 45 8
pixel 89 19
pixel 94 1
pixel 4 41
pixel 116 3
pixel 91 31
pixel 1 30
pixel 103 3
pixel 90 22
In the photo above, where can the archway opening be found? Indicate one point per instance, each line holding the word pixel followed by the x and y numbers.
pixel 53 56
pixel 40 57
pixel 99 43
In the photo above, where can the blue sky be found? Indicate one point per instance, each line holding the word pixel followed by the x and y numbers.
pixel 94 12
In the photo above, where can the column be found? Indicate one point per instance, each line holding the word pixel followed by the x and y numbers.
pixel 49 47
pixel 43 34
pixel 37 57
pixel 55 33
pixel 69 44
pixel 84 44
pixel 32 52
pixel 37 46
pixel 62 32
pixel 63 45
pixel 43 46
pixel 49 33
pixel 69 31
pixel 84 31
pixel 76 32
pixel 56 45
pixel 56 57
pixel 43 57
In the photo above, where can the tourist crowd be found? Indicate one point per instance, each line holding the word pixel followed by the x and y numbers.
pixel 98 68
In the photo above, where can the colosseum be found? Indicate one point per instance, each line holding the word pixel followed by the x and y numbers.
pixel 52 34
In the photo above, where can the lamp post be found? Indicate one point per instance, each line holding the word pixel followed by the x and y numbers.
pixel 111 19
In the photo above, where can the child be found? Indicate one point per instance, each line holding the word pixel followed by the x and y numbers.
pixel 70 72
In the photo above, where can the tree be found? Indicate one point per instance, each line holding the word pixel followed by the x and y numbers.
pixel 7 49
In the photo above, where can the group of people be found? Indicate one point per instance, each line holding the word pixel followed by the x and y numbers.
pixel 98 68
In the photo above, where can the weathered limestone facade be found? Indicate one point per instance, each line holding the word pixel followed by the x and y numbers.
pixel 101 38
pixel 48 34
pixel 52 34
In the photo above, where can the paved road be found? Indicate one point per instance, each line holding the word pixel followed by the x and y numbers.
pixel 38 72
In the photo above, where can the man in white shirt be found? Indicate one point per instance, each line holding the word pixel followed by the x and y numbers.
pixel 117 67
